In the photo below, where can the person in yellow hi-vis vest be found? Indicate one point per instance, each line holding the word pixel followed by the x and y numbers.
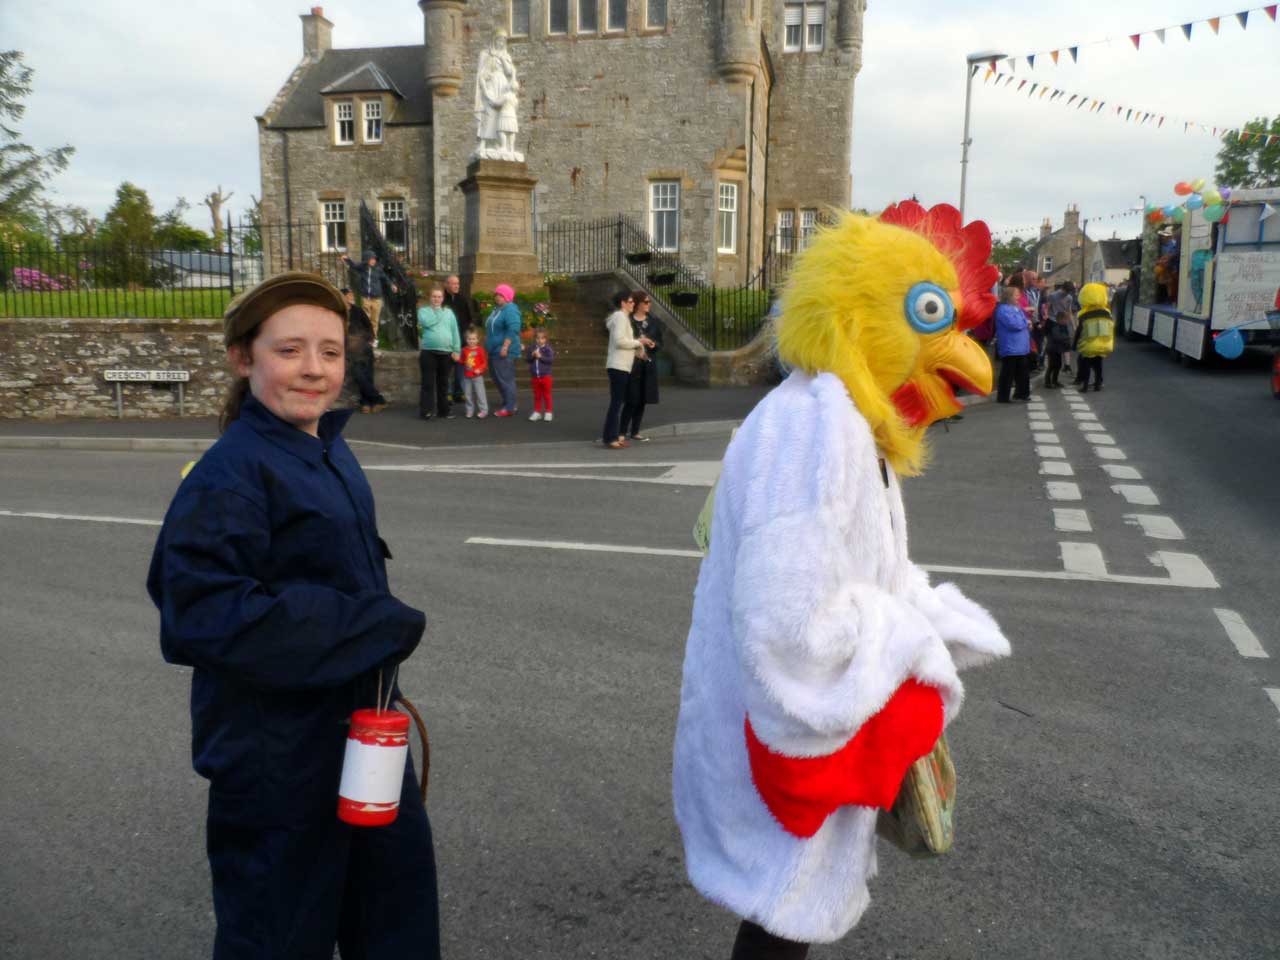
pixel 1095 334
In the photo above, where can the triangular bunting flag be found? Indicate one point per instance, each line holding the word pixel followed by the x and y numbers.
pixel 1074 98
pixel 1267 211
pixel 1160 124
pixel 1054 54
pixel 1160 34
pixel 973 71
pixel 1128 115
pixel 1213 24
pixel 1186 126
pixel 1271 11
pixel 1083 101
pixel 1031 61
pixel 1032 91
pixel 1243 17
pixel 1021 84
pixel 992 64
pixel 1075 52
pixel 987 76
pixel 1186 30
pixel 1043 92
pixel 1215 131
pixel 1136 39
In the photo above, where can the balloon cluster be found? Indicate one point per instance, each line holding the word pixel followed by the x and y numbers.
pixel 1213 201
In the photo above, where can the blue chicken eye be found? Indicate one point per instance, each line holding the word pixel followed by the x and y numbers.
pixel 929 308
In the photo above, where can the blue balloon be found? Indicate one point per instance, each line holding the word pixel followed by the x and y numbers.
pixel 1195 202
pixel 1168 211
pixel 1229 343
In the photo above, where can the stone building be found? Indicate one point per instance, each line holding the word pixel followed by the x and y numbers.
pixel 722 126
pixel 1062 254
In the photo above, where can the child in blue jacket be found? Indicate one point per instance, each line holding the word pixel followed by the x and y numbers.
pixel 271 582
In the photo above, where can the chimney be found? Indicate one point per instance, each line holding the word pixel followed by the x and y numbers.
pixel 1071 219
pixel 1046 229
pixel 317 33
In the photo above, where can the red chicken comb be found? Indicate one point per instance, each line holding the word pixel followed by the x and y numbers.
pixel 967 247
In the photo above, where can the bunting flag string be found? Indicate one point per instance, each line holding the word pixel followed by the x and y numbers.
pixel 1034 231
pixel 1215 24
pixel 1124 113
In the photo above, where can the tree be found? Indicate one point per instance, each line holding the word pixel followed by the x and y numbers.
pixel 174 233
pixel 129 228
pixel 1009 254
pixel 23 170
pixel 1252 164
pixel 214 202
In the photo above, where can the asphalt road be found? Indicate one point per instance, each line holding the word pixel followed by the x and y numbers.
pixel 1117 793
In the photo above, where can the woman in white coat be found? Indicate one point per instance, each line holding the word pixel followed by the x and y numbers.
pixel 618 360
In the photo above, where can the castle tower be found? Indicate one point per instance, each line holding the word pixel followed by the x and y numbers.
pixel 442 30
pixel 738 40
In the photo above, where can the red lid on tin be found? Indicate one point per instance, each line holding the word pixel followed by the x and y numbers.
pixel 380 721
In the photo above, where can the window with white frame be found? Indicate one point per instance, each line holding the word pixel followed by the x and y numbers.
pixel 804 26
pixel 664 214
pixel 1046 265
pixel 655 15
pixel 617 15
pixel 588 16
pixel 373 121
pixel 333 214
pixel 519 18
pixel 786 231
pixel 393 224
pixel 344 122
pixel 727 219
pixel 557 16
pixel 815 25
pixel 808 226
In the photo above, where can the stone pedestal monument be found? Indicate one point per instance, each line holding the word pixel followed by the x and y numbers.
pixel 498 242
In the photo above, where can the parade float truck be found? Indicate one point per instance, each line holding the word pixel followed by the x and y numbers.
pixel 1214 277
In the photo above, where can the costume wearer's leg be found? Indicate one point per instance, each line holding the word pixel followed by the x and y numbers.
pixel 390 909
pixel 426 383
pixel 1005 381
pixel 756 943
pixel 1022 377
pixel 373 309
pixel 443 369
pixel 617 397
pixel 277 888
pixel 1097 371
pixel 1086 371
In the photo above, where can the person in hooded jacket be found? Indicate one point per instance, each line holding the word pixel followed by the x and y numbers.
pixel 1013 343
pixel 1095 334
pixel 271 583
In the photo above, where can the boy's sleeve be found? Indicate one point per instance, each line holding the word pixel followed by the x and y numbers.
pixel 215 615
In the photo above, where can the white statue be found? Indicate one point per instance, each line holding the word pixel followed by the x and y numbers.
pixel 497 95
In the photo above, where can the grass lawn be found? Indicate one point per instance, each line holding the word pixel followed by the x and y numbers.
pixel 115 303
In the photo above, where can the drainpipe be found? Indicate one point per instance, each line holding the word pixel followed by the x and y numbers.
pixel 288 197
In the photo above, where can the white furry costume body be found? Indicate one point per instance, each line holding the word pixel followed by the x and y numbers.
pixel 808 615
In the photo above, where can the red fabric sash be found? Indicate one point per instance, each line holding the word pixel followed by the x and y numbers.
pixel 801 792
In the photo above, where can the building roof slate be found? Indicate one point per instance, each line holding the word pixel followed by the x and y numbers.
pixel 398 70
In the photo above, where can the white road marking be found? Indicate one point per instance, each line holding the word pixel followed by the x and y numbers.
pixel 1082 558
pixel 1274 694
pixel 1038 418
pixel 588 547
pixel 1119 471
pixel 1138 493
pixel 1084 416
pixel 1050 453
pixel 1103 438
pixel 1109 453
pixel 1037 405
pixel 36 515
pixel 1178 580
pixel 1238 632
pixel 1156 526
pixel 1056 468
pixel 1070 520
pixel 692 473
pixel 1045 438
pixel 1062 490
pixel 1185 569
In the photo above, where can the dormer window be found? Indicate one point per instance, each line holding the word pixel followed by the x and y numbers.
pixel 373 121
pixel 344 123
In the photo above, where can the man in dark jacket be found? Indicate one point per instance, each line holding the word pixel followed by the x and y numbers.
pixel 461 307
pixel 360 356
pixel 372 283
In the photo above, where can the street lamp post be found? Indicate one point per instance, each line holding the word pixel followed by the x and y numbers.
pixel 969 62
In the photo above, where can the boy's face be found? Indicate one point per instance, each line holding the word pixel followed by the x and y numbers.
pixel 541 338
pixel 472 339
pixel 296 365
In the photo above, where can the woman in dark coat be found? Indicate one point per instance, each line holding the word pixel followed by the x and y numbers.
pixel 642 388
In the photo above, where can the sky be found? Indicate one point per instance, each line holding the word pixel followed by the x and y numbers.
pixel 164 94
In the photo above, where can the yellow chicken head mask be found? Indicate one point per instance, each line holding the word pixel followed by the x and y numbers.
pixel 883 304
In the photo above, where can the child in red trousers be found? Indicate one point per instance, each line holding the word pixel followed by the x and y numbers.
pixel 540 359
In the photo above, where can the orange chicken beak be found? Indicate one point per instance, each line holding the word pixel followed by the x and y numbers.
pixel 947 360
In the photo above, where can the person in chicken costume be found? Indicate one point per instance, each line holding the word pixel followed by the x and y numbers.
pixel 820 662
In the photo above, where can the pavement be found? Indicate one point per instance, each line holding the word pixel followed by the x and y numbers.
pixel 579 416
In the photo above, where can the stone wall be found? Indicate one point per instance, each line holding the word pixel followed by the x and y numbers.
pixel 54 368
